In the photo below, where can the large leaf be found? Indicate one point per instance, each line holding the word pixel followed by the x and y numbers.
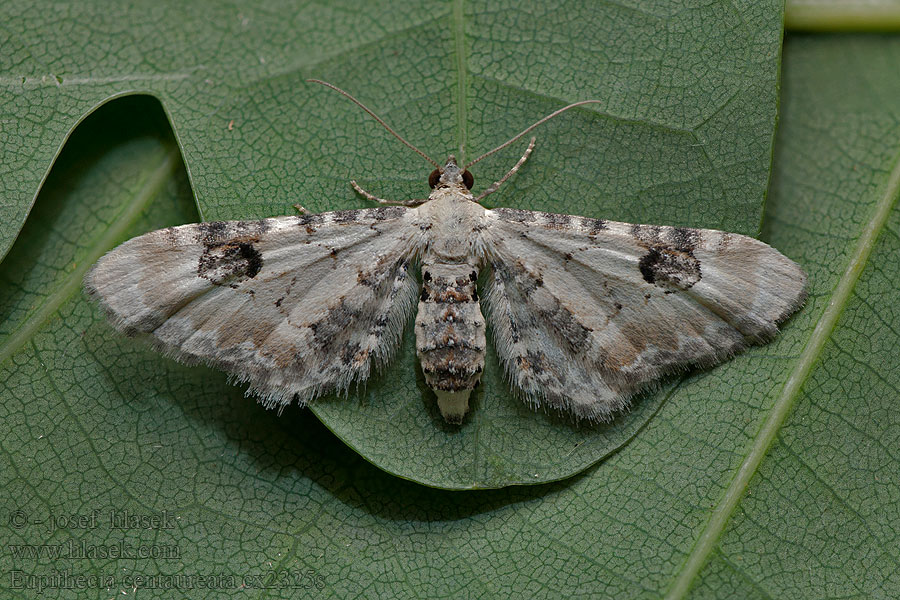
pixel 683 137
pixel 772 476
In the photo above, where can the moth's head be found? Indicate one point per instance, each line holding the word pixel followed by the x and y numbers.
pixel 449 175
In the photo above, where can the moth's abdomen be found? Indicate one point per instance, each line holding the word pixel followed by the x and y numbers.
pixel 450 339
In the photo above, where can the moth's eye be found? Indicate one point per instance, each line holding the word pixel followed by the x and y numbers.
pixel 434 178
pixel 468 180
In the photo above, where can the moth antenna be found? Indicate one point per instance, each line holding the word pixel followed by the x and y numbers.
pixel 376 117
pixel 541 122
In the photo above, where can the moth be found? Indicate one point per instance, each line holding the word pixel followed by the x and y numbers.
pixel 585 313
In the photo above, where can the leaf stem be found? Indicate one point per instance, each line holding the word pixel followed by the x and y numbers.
pixel 842 15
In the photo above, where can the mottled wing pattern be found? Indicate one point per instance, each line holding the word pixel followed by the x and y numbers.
pixel 297 306
pixel 586 312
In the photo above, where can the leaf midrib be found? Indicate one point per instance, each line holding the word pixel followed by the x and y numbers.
pixel 721 513
pixel 459 49
pixel 157 179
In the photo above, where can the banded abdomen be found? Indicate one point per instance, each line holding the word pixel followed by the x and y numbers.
pixel 450 339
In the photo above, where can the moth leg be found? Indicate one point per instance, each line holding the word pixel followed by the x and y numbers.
pixel 302 209
pixel 374 198
pixel 496 185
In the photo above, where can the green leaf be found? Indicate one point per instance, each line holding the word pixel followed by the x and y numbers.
pixel 771 476
pixel 683 137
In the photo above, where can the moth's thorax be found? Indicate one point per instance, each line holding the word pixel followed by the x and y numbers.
pixel 453 219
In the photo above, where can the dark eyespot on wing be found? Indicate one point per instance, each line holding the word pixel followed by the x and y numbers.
pixel 669 268
pixel 229 264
